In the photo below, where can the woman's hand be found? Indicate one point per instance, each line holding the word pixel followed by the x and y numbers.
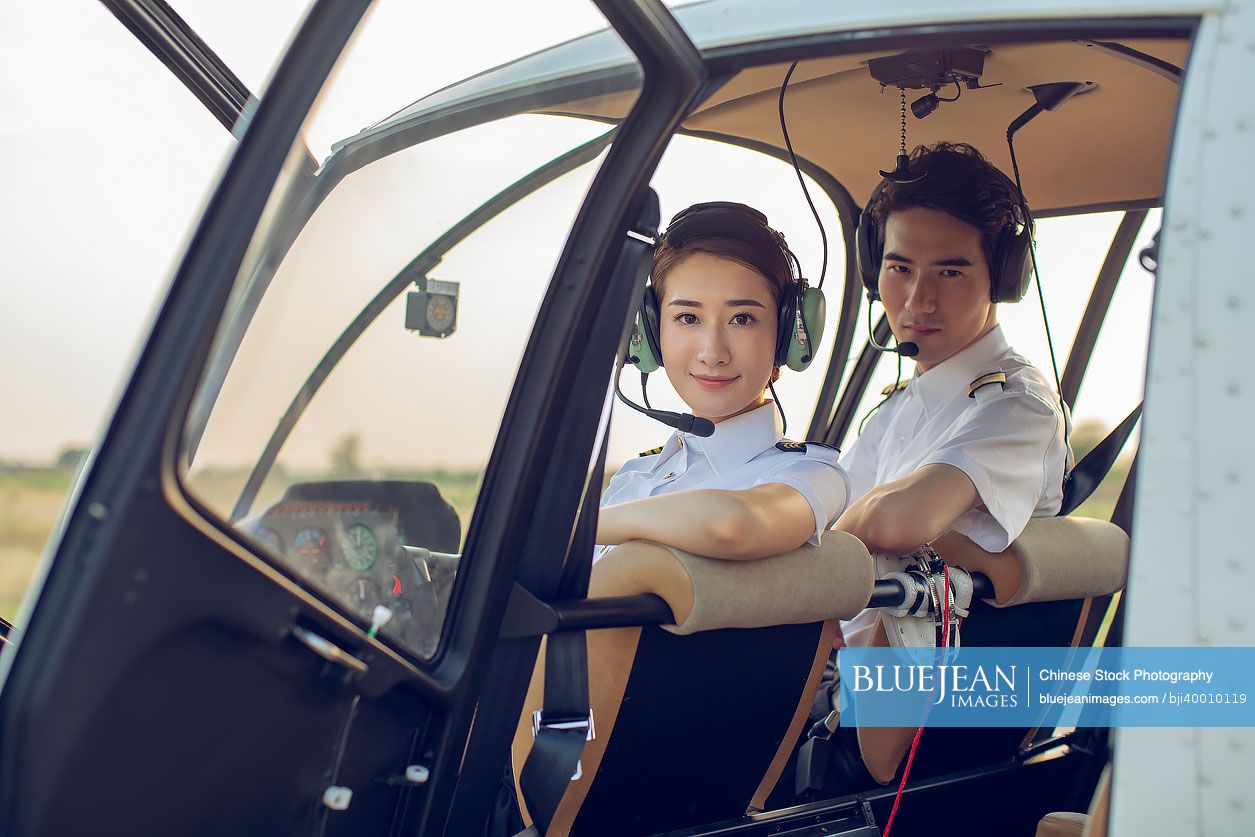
pixel 741 525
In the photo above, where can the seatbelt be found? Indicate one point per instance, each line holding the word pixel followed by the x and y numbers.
pixel 564 723
pixel 1096 464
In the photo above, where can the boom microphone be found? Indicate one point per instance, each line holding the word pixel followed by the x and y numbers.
pixel 903 349
pixel 684 422
pixel 907 349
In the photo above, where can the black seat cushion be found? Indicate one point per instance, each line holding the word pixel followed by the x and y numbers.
pixel 701 720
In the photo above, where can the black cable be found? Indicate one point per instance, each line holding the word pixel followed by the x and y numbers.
pixel 779 407
pixel 784 129
pixel 897 383
pixel 1041 296
pixel 958 91
pixel 645 389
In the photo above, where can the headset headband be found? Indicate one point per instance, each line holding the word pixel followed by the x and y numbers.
pixel 723 219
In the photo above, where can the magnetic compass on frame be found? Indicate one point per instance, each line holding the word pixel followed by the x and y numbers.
pixel 432 310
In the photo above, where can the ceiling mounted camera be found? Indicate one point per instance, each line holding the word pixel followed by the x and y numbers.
pixel 931 70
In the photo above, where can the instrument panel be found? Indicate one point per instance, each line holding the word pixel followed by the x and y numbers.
pixel 352 545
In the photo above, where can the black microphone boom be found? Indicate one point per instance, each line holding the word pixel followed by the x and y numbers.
pixel 903 349
pixel 906 349
pixel 684 422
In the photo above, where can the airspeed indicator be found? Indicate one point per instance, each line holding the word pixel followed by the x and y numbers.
pixel 361 549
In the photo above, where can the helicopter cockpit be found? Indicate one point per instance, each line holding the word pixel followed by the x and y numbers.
pixel 838 118
pixel 415 366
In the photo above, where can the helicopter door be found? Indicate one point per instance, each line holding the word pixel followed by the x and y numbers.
pixel 276 601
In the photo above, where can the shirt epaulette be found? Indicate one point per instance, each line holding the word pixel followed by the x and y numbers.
pixel 988 378
pixel 892 388
pixel 800 447
pixel 651 451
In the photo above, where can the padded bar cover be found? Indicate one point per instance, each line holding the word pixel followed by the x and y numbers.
pixel 810 584
pixel 1058 558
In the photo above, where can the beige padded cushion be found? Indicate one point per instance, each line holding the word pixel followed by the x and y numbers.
pixel 1057 558
pixel 1093 824
pixel 1100 806
pixel 1061 824
pixel 810 584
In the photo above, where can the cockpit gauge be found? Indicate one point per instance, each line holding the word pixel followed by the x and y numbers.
pixel 311 543
pixel 361 549
pixel 432 310
pixel 439 312
pixel 270 539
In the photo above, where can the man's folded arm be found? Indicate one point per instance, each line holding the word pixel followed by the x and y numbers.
pixel 900 516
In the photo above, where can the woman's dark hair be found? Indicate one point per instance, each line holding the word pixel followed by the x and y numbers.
pixel 768 261
pixel 959 182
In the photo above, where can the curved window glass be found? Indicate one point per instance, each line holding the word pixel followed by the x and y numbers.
pixel 371 342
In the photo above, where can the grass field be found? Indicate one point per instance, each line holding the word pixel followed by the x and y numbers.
pixel 29 504
pixel 31 499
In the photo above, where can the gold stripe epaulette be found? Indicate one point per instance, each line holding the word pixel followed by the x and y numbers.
pixel 892 388
pixel 651 451
pixel 988 378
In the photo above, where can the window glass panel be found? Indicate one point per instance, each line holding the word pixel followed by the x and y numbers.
pixel 92 222
pixel 359 379
pixel 1116 376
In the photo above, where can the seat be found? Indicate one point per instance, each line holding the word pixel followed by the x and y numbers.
pixel 695 722
pixel 1044 585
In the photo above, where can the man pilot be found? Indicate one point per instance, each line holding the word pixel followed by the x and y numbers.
pixel 975 441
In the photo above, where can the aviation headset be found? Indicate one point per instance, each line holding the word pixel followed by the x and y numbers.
pixel 1009 272
pixel 800 318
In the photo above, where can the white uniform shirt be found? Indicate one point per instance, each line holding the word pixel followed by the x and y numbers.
pixel 1008 439
pixel 741 454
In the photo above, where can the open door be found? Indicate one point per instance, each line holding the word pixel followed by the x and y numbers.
pixel 275 605
pixel 176 45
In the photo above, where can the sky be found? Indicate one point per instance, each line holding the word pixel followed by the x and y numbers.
pixel 111 160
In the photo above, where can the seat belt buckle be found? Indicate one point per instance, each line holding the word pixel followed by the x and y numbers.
pixel 812 762
pixel 823 730
pixel 566 724
pixel 563 724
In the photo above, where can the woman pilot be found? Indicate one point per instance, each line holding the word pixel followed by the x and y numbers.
pixel 725 311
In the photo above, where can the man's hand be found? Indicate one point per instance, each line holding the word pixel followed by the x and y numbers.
pixel 902 515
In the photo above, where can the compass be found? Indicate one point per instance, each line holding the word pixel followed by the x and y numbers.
pixel 440 312
pixel 432 310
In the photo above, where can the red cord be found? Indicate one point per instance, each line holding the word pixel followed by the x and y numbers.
pixel 945 643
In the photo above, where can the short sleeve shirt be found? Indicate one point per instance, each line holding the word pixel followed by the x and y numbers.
pixel 1009 439
pixel 742 453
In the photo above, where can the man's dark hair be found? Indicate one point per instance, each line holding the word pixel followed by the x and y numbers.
pixel 959 182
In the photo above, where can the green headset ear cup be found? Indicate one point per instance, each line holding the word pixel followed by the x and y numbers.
pixel 807 334
pixel 639 351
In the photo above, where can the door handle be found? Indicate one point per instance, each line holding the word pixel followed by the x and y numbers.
pixel 329 651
